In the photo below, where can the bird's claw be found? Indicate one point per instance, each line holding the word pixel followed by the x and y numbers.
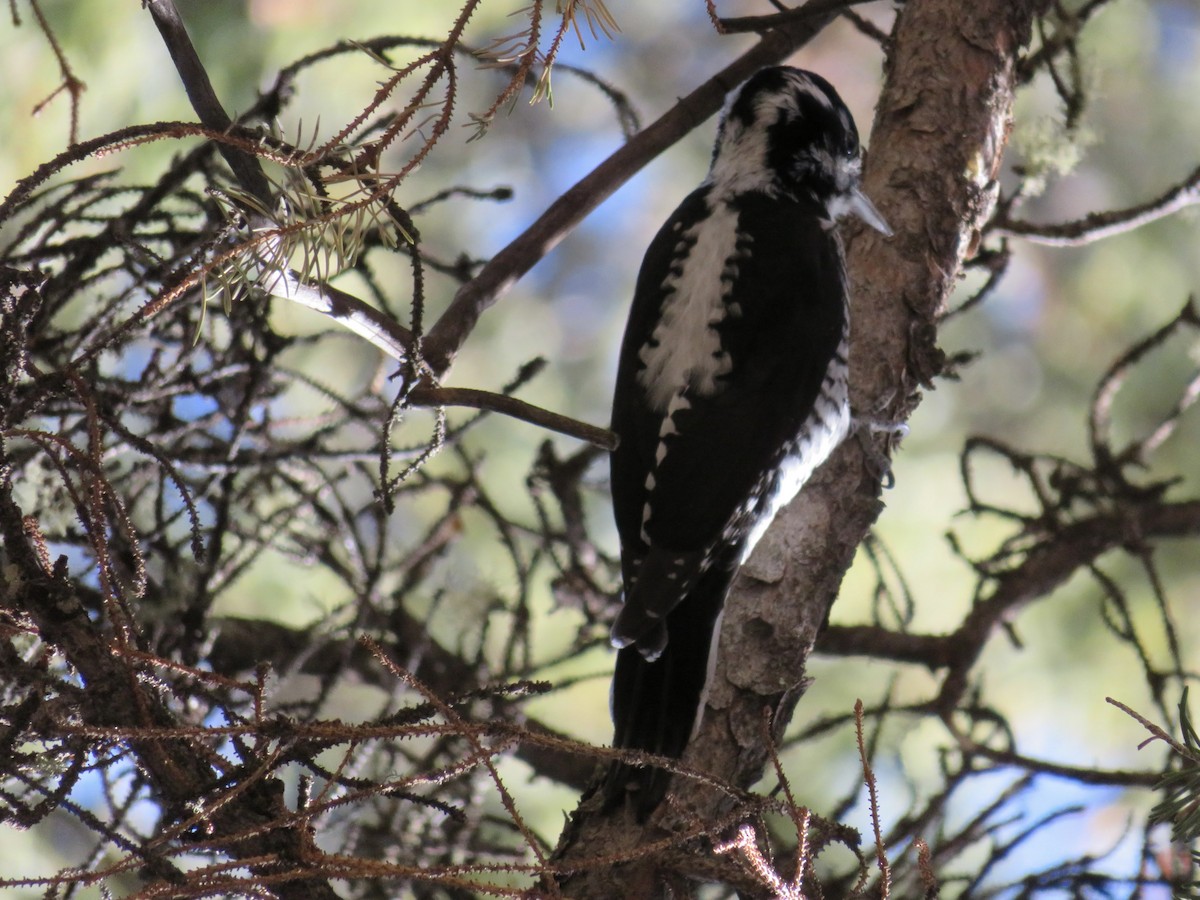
pixel 879 461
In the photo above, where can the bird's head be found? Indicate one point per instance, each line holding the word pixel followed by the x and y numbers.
pixel 786 132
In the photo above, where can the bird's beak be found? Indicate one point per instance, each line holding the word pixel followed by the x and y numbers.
pixel 865 210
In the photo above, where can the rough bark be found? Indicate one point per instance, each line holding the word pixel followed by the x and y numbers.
pixel 935 150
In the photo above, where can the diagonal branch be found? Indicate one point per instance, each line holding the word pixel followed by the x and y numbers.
pixel 504 269
pixel 204 99
pixel 517 409
pixel 809 10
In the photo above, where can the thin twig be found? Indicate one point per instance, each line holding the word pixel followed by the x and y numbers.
pixel 70 82
pixel 1100 411
pixel 1156 732
pixel 885 871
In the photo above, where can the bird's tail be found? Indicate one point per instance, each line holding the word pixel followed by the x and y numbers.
pixel 657 704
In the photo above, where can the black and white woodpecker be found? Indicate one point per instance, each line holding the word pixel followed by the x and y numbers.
pixel 731 390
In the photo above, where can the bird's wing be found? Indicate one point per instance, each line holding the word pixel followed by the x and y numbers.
pixel 789 287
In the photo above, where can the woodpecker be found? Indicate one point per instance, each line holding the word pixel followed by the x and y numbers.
pixel 731 390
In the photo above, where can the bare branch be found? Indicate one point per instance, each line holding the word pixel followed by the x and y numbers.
pixel 71 84
pixel 1048 565
pixel 447 336
pixel 378 328
pixel 204 99
pixel 1100 225
pixel 760 24
pixel 517 409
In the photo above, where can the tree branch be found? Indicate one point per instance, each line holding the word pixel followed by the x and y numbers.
pixel 760 24
pixel 517 409
pixel 504 269
pixel 242 645
pixel 378 328
pixel 1049 564
pixel 204 99
pixel 1100 225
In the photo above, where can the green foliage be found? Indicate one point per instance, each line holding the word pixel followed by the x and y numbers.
pixel 1180 803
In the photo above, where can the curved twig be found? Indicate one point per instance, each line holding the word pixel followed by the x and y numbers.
pixel 1100 410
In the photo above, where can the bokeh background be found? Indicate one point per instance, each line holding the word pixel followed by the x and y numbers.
pixel 1043 340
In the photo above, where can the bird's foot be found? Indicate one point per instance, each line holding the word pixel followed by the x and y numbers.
pixel 879 460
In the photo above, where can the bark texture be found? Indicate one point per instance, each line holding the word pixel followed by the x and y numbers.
pixel 935 150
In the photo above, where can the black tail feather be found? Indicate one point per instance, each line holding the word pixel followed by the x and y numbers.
pixel 656 705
